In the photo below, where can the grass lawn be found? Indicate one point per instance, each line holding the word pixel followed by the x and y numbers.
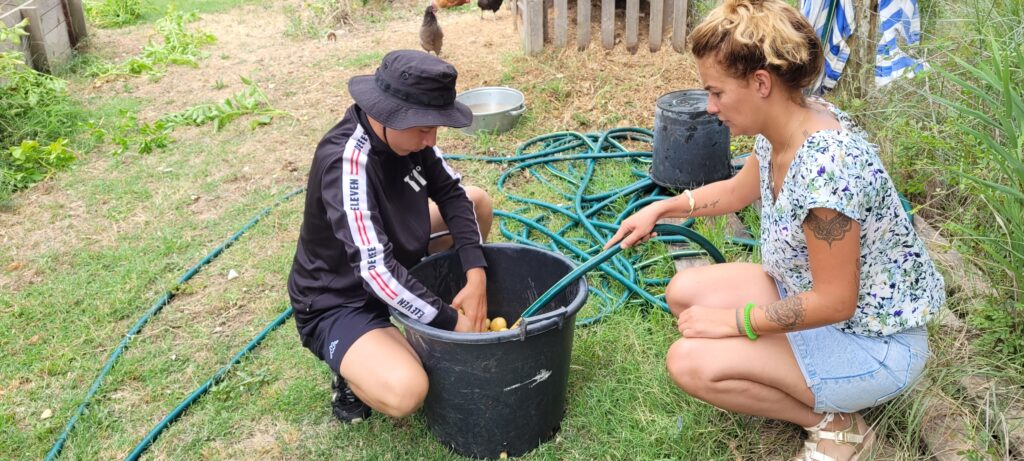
pixel 85 253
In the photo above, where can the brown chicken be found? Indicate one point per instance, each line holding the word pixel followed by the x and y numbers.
pixel 450 3
pixel 431 36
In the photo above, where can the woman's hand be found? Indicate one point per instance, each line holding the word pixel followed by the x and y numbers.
pixel 472 299
pixel 637 228
pixel 708 322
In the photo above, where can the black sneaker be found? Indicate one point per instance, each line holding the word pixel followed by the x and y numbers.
pixel 344 403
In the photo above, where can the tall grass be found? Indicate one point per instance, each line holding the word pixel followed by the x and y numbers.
pixel 989 108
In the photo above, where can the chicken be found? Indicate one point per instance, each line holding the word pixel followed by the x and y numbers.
pixel 491 5
pixel 431 36
pixel 449 3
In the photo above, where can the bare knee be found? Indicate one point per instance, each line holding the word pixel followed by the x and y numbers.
pixel 681 291
pixel 687 366
pixel 484 208
pixel 402 393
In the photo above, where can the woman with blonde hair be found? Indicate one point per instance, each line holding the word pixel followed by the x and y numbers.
pixel 833 319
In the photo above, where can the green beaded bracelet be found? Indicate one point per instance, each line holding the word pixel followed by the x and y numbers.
pixel 746 321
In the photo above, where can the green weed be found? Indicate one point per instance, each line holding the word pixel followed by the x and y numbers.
pixel 179 47
pixel 36 117
pixel 129 133
pixel 113 13
pixel 249 101
pixel 30 162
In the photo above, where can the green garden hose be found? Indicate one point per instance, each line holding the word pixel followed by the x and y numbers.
pixel 153 311
pixel 588 211
pixel 560 155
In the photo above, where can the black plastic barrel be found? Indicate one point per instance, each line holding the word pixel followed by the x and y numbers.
pixel 501 391
pixel 691 146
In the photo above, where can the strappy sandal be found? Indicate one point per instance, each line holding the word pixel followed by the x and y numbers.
pixel 816 434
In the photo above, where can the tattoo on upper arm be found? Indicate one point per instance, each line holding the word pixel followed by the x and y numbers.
pixel 830 230
pixel 787 313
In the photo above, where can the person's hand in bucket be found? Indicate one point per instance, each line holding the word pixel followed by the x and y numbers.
pixel 472 300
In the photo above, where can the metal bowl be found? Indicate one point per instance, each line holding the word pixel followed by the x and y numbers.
pixel 496 109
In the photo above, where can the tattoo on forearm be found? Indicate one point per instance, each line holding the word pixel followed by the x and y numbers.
pixel 830 230
pixel 787 313
pixel 707 205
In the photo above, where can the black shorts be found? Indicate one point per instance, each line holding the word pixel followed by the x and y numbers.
pixel 331 334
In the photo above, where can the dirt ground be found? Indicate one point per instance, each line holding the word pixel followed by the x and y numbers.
pixel 570 90
pixel 305 78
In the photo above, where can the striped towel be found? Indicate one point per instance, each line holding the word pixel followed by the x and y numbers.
pixel 897 18
pixel 833 20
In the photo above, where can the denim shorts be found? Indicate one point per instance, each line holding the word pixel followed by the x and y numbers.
pixel 849 372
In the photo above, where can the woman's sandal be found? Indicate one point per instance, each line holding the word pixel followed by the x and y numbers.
pixel 816 434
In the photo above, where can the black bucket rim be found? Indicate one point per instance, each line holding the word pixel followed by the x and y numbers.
pixel 699 91
pixel 530 326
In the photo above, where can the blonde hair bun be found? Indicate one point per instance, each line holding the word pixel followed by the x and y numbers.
pixel 748 35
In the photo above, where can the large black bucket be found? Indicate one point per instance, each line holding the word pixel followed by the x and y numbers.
pixel 691 146
pixel 502 391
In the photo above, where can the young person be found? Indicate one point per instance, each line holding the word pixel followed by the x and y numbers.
pixel 379 191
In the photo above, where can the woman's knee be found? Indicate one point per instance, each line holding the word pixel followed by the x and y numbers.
pixel 681 291
pixel 687 365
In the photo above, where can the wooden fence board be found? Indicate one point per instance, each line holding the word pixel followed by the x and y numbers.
pixel 561 22
pixel 582 25
pixel 679 25
pixel 607 24
pixel 533 26
pixel 657 26
pixel 50 16
pixel 58 45
pixel 632 24
pixel 78 29
pixel 663 16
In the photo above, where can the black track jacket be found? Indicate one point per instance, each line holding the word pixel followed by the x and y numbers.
pixel 366 221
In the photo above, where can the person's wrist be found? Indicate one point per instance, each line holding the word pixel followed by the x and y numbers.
pixel 660 208
pixel 748 328
pixel 476 275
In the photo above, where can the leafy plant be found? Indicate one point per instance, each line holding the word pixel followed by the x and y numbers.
pixel 1000 329
pixel 32 104
pixel 251 100
pixel 179 46
pixel 113 13
pixel 30 162
pixel 149 137
pixel 36 114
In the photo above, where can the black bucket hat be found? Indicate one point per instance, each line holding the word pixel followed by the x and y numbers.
pixel 411 88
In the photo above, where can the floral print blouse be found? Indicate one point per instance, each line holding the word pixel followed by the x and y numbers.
pixel 840 170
